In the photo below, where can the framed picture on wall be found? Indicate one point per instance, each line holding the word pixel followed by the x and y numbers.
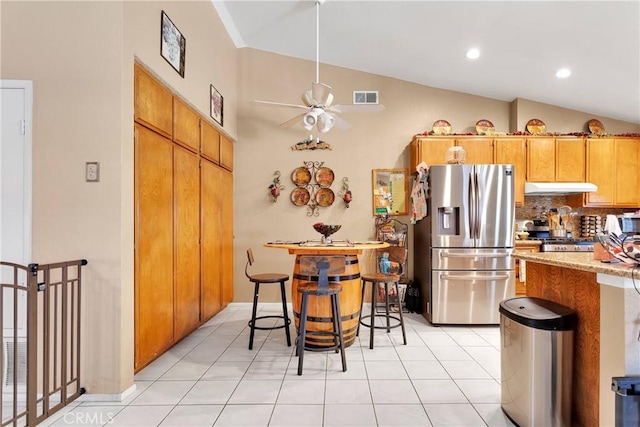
pixel 217 106
pixel 173 45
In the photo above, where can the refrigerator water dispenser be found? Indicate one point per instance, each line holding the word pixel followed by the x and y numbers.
pixel 449 220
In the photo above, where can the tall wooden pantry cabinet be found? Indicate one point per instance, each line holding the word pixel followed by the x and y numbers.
pixel 183 219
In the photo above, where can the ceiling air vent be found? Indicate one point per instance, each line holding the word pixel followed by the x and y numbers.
pixel 365 97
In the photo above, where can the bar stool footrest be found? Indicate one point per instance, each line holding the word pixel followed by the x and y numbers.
pixel 269 328
pixel 382 316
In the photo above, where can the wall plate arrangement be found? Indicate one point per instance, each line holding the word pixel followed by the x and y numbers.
pixel 312 187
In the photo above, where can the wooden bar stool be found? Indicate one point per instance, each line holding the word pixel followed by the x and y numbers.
pixel 267 278
pixel 397 257
pixel 321 265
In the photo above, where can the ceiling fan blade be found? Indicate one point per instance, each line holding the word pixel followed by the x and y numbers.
pixel 293 121
pixel 341 123
pixel 280 104
pixel 320 93
pixel 357 108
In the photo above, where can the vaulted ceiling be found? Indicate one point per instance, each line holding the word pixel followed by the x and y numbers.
pixel 522 45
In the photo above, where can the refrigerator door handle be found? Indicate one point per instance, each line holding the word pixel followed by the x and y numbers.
pixel 476 202
pixel 472 207
pixel 446 276
pixel 467 255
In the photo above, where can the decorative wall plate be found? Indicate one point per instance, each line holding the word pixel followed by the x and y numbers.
pixel 596 126
pixel 301 176
pixel 441 127
pixel 484 127
pixel 300 196
pixel 536 126
pixel 325 197
pixel 324 177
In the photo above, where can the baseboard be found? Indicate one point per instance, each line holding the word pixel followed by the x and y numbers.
pixel 89 397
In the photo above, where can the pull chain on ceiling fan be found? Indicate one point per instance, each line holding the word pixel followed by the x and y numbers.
pixel 318 100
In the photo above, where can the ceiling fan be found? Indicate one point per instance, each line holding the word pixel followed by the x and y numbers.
pixel 318 100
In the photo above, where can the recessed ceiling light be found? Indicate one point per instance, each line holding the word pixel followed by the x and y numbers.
pixel 563 73
pixel 473 53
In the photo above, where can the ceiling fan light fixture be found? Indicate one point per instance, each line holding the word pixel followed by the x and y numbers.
pixel 310 119
pixel 325 122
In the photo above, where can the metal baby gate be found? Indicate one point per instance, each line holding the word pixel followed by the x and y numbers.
pixel 40 356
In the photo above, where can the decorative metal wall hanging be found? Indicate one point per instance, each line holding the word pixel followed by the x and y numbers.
pixel 276 187
pixel 346 194
pixel 311 144
pixel 312 194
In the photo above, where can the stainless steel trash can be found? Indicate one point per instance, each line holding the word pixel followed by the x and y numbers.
pixel 536 351
pixel 627 400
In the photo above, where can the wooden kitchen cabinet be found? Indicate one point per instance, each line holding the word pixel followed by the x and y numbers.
pixel 153 291
pixel 433 149
pixel 152 102
pixel 555 160
pixel 513 151
pixel 523 247
pixel 183 249
pixel 613 165
pixel 186 125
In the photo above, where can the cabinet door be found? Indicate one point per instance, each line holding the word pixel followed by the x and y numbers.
pixel 186 126
pixel 627 162
pixel 570 160
pixel 600 171
pixel 477 150
pixel 226 153
pixel 226 188
pixel 211 226
pixel 152 103
pixel 210 142
pixel 433 151
pixel 186 183
pixel 153 311
pixel 514 152
pixel 541 160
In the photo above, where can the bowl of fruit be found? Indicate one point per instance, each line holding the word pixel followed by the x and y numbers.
pixel 326 230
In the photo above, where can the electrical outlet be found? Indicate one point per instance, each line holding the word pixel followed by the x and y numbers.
pixel 92 172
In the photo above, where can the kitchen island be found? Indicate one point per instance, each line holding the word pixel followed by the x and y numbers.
pixel 606 298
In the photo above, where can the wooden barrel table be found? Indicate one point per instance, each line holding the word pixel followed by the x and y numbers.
pixel 319 309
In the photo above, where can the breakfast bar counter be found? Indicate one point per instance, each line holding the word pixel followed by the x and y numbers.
pixel 351 296
pixel 606 298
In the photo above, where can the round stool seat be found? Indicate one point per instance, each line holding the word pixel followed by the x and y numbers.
pixel 380 277
pixel 311 288
pixel 268 278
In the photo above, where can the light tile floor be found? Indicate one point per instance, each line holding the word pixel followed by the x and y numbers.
pixel 444 376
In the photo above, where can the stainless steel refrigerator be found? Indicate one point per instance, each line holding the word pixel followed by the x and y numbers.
pixel 463 247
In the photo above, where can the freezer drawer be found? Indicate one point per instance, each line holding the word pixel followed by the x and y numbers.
pixel 469 297
pixel 472 259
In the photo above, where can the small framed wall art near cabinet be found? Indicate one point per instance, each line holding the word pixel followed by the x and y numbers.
pixel 173 45
pixel 217 106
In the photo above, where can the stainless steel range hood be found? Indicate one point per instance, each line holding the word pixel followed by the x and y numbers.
pixel 557 188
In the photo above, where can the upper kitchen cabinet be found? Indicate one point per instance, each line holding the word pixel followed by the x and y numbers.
pixel 186 126
pixel 513 151
pixel 152 103
pixel 555 160
pixel 210 142
pixel 226 153
pixel 612 165
pixel 477 150
pixel 433 150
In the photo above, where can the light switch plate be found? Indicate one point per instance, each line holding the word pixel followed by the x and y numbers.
pixel 92 172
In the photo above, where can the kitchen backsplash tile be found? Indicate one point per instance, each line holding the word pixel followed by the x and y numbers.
pixel 528 211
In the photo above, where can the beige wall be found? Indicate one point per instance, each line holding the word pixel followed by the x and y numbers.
pixel 80 57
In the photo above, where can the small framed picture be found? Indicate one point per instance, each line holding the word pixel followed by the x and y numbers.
pixel 173 45
pixel 217 106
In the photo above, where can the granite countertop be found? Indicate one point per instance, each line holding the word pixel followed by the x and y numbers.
pixel 580 261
